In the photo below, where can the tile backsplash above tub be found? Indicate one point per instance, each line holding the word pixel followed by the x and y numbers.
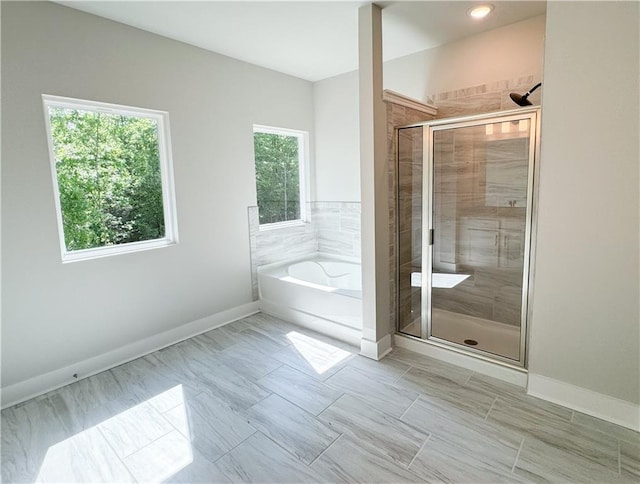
pixel 332 228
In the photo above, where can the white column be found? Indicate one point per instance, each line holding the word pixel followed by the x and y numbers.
pixel 374 186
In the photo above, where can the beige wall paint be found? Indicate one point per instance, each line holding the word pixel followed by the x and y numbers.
pixel 585 325
pixel 53 314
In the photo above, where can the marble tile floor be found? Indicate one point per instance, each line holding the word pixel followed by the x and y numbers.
pixel 261 400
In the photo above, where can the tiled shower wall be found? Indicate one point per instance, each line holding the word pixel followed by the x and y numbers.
pixel 332 228
pixel 485 98
pixel 481 99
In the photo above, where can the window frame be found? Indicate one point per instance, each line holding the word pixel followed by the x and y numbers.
pixel 303 167
pixel 166 176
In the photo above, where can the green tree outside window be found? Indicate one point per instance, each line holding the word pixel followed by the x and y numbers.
pixel 277 177
pixel 109 179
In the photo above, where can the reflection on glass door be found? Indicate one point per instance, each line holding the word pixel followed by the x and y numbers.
pixel 410 163
pixel 480 187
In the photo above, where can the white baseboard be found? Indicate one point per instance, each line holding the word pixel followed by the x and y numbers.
pixel 315 323
pixel 52 380
pixel 597 405
pixel 376 350
pixel 515 376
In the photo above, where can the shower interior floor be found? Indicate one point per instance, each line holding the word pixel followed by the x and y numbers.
pixel 492 337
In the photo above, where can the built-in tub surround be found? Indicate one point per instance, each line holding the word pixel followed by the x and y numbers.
pixel 337 227
pixel 332 228
pixel 320 291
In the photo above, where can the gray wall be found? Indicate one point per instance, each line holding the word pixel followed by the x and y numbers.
pixel 508 52
pixel 337 134
pixel 490 61
pixel 585 322
pixel 53 314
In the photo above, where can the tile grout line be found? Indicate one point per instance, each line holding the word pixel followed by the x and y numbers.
pixel 121 459
pixel 259 401
pixel 236 446
pixel 619 459
pixel 296 405
pixel 513 468
pixel 165 419
pixel 409 407
pixel 419 450
pixel 328 406
pixel 403 374
pixel 490 408
pixel 468 379
pixel 275 369
pixel 325 450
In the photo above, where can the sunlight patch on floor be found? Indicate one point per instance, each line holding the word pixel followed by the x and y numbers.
pixel 320 355
pixel 97 453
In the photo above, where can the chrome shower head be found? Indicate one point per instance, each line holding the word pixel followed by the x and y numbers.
pixel 523 100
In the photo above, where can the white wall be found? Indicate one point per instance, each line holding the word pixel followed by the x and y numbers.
pixel 335 102
pixel 585 326
pixel 507 52
pixel 54 315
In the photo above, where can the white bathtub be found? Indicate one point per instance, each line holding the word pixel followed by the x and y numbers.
pixel 321 292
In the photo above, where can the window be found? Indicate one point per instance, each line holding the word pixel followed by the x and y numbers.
pixel 112 177
pixel 280 156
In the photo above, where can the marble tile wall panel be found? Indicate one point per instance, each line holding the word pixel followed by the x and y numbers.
pixel 483 102
pixel 338 227
pixel 332 227
pixel 484 98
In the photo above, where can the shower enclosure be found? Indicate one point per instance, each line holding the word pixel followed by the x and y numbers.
pixel 465 190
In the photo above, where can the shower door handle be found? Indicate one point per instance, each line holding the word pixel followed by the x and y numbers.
pixel 431 237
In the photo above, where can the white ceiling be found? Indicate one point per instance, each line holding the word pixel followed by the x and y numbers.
pixel 306 39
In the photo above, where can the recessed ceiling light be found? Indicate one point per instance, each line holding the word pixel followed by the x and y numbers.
pixel 480 11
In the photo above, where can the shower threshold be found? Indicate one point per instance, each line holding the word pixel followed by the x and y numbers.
pixel 492 337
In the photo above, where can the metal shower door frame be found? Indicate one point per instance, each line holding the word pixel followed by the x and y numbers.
pixel 429 128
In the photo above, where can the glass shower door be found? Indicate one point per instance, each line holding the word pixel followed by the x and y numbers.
pixel 480 183
pixel 409 220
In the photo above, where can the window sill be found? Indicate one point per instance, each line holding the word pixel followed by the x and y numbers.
pixel 99 252
pixel 281 225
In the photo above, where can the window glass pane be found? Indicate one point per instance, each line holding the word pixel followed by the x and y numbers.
pixel 109 177
pixel 277 177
